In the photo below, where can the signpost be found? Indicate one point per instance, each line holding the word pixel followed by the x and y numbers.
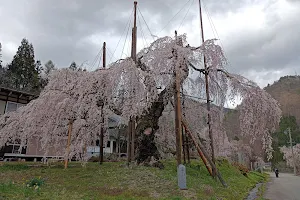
pixel 288 131
pixel 181 174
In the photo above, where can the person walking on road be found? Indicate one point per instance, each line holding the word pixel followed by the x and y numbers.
pixel 276 172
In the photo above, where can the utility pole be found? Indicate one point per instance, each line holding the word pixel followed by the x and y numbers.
pixel 129 142
pixel 104 55
pixel 177 111
pixel 132 121
pixel 207 94
pixel 134 35
pixel 291 145
pixel 70 127
pixel 101 145
pixel 134 44
pixel 184 136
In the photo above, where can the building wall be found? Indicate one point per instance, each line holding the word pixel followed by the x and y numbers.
pixel 34 148
pixel 109 147
pixel 2 107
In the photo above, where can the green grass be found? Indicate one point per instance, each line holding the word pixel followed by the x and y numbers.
pixel 114 181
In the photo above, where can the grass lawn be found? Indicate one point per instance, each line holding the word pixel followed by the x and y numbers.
pixel 114 181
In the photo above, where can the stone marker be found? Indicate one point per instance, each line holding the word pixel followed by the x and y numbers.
pixel 181 174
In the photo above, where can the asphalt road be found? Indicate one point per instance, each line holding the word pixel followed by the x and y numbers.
pixel 286 187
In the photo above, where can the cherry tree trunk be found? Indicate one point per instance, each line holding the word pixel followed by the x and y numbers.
pixel 146 151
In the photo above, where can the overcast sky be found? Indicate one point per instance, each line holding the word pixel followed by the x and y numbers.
pixel 261 38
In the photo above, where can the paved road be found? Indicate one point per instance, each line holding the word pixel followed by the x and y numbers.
pixel 286 187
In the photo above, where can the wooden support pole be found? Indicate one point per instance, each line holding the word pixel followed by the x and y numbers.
pixel 68 142
pixel 133 131
pixel 104 55
pixel 101 139
pixel 204 155
pixel 129 142
pixel 207 92
pixel 197 147
pixel 183 145
pixel 185 138
pixel 177 112
pixel 187 148
pixel 134 39
pixel 132 121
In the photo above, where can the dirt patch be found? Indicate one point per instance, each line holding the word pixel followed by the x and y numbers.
pixel 111 191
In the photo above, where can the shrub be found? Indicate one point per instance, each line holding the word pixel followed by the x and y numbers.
pixel 35 183
pixel 242 168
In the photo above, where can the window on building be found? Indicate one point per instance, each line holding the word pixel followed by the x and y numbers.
pixel 14 147
pixel 12 106
pixel 108 144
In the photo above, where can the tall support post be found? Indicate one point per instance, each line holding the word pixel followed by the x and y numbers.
pixel 101 141
pixel 104 55
pixel 207 93
pixel 129 142
pixel 187 148
pixel 101 145
pixel 177 111
pixel 133 131
pixel 134 35
pixel 185 138
pixel 291 144
pixel 204 156
pixel 183 146
pixel 132 122
pixel 69 142
pixel 182 130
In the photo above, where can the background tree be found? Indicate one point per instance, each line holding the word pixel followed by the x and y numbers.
pixel 49 66
pixel 73 66
pixel 23 70
pixel 47 69
pixel 280 139
pixel 288 156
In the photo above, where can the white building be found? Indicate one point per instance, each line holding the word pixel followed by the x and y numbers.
pixel 116 140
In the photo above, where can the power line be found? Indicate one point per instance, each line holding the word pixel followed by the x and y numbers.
pixel 146 24
pixel 174 16
pixel 129 20
pixel 214 29
pixel 126 39
pixel 96 58
pixel 111 54
pixel 185 15
pixel 142 33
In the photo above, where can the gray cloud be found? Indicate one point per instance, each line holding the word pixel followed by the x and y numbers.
pixel 62 30
pixel 276 47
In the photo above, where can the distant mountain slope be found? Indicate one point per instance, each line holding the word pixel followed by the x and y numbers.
pixel 287 92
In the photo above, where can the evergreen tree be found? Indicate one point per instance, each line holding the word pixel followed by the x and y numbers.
pixel 23 70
